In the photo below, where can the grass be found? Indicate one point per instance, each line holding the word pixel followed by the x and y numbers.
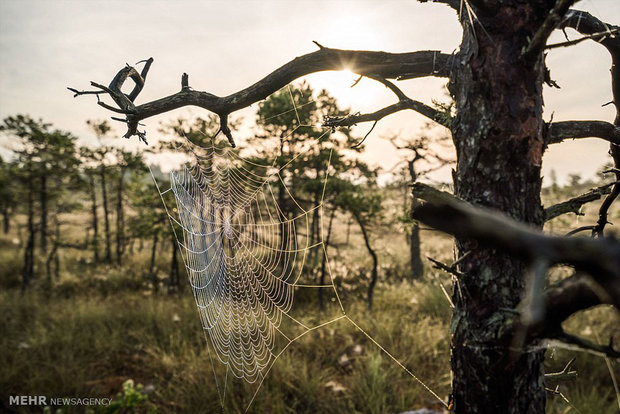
pixel 89 345
pixel 98 327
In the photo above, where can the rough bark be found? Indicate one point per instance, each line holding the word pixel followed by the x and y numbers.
pixel 498 137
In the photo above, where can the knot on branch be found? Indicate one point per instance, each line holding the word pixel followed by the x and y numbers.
pixel 124 102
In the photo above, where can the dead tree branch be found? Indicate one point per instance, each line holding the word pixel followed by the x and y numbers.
pixel 367 63
pixel 566 374
pixel 574 204
pixel 606 350
pixel 594 36
pixel 587 24
pixel 404 102
pixel 560 131
pixel 537 45
pixel 599 258
pixel 417 106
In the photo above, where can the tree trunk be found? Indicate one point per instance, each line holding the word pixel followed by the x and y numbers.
pixel 43 201
pixel 375 262
pixel 93 209
pixel 120 220
pixel 324 262
pixel 28 271
pixel 415 258
pixel 174 280
pixel 106 217
pixel 152 272
pixel 6 225
pixel 314 231
pixel 498 136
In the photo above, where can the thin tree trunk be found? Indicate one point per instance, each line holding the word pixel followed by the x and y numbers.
pixel 6 225
pixel 417 268
pixel 174 280
pixel 498 137
pixel 120 220
pixel 415 258
pixel 348 232
pixel 152 264
pixel 324 262
pixel 52 258
pixel 375 262
pixel 28 270
pixel 106 218
pixel 314 232
pixel 43 201
pixel 95 221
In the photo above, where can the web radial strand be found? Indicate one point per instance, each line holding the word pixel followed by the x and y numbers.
pixel 241 255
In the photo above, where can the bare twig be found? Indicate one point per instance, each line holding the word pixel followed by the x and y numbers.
pixel 442 266
pixel 567 374
pixel 579 230
pixel 606 350
pixel 574 204
pixel 537 45
pixel 594 36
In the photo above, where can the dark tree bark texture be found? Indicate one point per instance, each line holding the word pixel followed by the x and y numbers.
pixel 499 143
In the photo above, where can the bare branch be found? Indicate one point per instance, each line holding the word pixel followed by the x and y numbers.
pixel 560 131
pixel 442 266
pixel 568 296
pixel 598 257
pixel 574 204
pixel 367 63
pixel 455 4
pixel 594 36
pixel 537 45
pixel 566 374
pixel 579 230
pixel 606 350
pixel 587 24
pixel 399 94
pixel 411 104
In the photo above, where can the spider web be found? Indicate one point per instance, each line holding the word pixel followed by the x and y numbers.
pixel 245 256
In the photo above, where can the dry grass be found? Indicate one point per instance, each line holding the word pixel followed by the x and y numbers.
pixel 97 327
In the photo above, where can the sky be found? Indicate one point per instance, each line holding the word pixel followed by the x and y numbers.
pixel 225 46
